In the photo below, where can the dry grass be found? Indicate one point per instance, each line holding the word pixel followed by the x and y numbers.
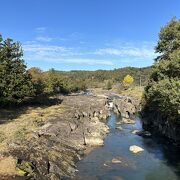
pixel 136 92
pixel 18 125
pixel 7 165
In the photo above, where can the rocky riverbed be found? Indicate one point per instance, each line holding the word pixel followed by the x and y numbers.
pixel 53 149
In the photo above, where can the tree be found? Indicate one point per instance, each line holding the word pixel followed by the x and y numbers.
pixel 169 39
pixel 162 94
pixel 38 80
pixel 53 82
pixel 15 81
pixel 128 80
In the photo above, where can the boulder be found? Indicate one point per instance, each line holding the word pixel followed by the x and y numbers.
pixel 135 131
pixel 135 149
pixel 142 133
pixel 124 107
pixel 127 121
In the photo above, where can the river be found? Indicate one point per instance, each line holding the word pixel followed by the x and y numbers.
pixel 114 161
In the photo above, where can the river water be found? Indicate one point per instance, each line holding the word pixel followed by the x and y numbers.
pixel 158 161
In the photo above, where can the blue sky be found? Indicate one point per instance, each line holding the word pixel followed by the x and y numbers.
pixel 86 34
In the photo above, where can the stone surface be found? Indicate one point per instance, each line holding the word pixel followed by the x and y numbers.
pixel 135 149
pixel 127 121
pixel 60 143
pixel 142 133
pixel 156 124
pixel 124 107
pixel 135 131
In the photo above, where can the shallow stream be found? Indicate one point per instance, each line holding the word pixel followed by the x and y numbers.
pixel 114 161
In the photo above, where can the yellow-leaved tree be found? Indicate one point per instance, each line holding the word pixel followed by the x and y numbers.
pixel 128 80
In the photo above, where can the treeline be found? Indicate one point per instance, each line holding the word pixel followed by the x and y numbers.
pixel 51 81
pixel 101 78
pixel 17 83
pixel 162 94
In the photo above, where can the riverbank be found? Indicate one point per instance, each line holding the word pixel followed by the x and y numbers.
pixel 45 142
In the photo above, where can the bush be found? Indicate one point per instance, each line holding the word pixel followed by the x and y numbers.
pixel 37 80
pixel 163 97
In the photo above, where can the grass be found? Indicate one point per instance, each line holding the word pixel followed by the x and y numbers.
pixel 136 92
pixel 2 136
pixel 8 165
pixel 17 125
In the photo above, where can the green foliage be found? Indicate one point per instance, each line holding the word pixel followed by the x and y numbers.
pixel 162 94
pixel 164 97
pixel 53 82
pixel 38 80
pixel 169 38
pixel 167 67
pixel 98 79
pixel 56 82
pixel 15 82
pixel 25 168
pixel 76 85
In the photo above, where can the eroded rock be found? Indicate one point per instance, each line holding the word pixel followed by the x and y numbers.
pixel 61 142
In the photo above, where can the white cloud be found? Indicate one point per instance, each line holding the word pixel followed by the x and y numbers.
pixel 107 55
pixel 44 38
pixel 36 48
pixel 84 61
pixel 59 54
pixel 134 51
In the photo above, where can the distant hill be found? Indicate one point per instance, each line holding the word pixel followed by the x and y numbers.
pixel 97 77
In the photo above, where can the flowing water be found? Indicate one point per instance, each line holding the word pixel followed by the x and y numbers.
pixel 158 161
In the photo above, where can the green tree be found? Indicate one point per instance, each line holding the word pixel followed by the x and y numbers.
pixel 169 39
pixel 38 80
pixel 162 94
pixel 53 82
pixel 15 81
